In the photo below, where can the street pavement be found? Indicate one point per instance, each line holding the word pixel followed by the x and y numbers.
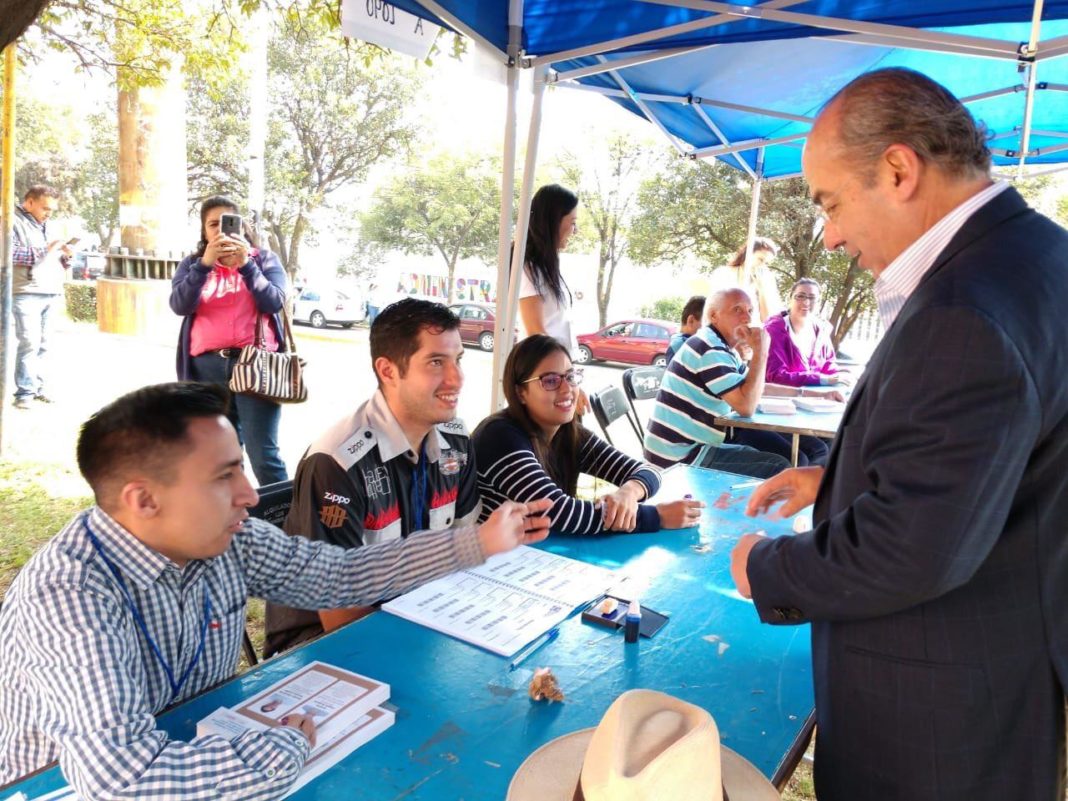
pixel 90 368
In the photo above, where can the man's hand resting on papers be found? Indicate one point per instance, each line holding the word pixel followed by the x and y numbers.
pixel 513 524
pixel 302 723
pixel 794 488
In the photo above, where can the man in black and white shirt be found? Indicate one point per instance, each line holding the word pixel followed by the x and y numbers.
pixel 140 602
pixel 401 463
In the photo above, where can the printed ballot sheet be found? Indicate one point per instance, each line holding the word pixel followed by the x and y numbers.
pixel 344 706
pixel 507 602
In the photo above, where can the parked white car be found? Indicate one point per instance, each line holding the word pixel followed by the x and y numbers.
pixel 322 307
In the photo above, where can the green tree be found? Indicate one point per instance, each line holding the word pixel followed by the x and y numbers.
pixel 95 188
pixel 606 182
pixel 698 212
pixel 336 109
pixel 76 157
pixel 448 207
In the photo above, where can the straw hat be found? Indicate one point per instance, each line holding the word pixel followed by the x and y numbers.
pixel 648 745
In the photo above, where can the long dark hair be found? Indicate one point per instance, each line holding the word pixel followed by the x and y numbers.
pixel 560 456
pixel 222 202
pixel 759 243
pixel 550 205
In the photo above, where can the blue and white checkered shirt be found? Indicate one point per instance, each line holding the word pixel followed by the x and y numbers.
pixel 78 679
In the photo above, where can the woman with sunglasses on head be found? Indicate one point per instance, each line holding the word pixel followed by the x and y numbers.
pixel 801 353
pixel 753 275
pixel 536 449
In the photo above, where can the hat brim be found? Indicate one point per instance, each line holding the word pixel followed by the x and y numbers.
pixel 552 772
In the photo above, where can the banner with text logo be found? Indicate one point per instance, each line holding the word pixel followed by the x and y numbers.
pixel 384 24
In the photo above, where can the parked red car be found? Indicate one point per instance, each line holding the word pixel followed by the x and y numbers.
pixel 477 323
pixel 629 341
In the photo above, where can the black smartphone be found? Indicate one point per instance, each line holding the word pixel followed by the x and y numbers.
pixel 230 224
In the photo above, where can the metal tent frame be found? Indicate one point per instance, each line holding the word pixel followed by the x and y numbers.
pixel 699 126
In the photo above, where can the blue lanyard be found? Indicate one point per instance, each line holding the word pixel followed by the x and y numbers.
pixel 176 686
pixel 419 501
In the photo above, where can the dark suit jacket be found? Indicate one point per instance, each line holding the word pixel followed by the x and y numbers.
pixel 936 579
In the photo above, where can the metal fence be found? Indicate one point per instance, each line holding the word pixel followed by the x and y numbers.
pixel 137 263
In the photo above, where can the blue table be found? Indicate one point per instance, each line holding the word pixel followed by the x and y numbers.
pixel 464 722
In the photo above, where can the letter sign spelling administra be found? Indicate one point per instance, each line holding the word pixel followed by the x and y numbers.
pixel 384 24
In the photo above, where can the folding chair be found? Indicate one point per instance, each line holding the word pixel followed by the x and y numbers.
pixel 609 405
pixel 641 383
pixel 273 506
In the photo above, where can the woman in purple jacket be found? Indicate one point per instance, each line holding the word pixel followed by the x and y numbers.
pixel 224 291
pixel 801 353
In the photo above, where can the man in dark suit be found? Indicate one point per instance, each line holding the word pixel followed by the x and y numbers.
pixel 936 577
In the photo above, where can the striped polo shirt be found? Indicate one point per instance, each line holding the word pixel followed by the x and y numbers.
pixel 691 396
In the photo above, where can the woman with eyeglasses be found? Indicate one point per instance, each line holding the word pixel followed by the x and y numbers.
pixel 801 353
pixel 536 449
pixel 754 276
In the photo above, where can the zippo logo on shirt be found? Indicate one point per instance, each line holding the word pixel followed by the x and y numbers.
pixel 335 498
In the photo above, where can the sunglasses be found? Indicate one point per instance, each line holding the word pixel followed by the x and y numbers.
pixel 551 382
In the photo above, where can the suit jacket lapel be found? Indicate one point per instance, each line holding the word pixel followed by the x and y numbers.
pixel 1005 206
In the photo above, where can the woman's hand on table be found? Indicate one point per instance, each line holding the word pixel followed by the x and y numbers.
pixel 619 511
pixel 680 514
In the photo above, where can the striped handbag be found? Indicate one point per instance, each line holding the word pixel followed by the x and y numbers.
pixel 269 375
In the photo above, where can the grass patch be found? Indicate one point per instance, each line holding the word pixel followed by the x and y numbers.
pixel 36 501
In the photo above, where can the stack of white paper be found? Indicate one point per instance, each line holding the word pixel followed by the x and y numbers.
pixel 345 707
pixel 818 405
pixel 776 406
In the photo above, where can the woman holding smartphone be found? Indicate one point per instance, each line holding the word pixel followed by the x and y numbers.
pixel 536 449
pixel 224 290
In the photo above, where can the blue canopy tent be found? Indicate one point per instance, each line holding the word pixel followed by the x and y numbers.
pixel 743 83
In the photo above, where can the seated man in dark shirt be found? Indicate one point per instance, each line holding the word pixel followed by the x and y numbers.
pixel 689 323
pixel 401 463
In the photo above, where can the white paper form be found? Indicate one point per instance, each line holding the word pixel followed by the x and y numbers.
pixel 507 602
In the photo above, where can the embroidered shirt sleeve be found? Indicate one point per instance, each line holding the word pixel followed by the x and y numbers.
pixel 327 504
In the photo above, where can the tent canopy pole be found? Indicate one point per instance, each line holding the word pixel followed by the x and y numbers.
pixel 522 227
pixel 504 325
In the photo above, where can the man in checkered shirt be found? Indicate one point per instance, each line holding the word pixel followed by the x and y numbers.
pixel 140 602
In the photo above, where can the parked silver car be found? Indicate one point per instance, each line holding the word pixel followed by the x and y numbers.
pixel 322 307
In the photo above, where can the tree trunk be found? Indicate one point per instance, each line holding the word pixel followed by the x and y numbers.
pixel 152 179
pixel 604 287
pixel 293 263
pixel 451 288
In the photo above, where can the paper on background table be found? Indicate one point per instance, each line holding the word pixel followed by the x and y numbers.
pixel 507 602
pixel 776 406
pixel 818 405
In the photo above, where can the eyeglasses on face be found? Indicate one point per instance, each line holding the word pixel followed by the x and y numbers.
pixel 551 382
pixel 809 298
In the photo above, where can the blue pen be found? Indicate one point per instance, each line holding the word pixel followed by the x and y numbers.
pixel 533 647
